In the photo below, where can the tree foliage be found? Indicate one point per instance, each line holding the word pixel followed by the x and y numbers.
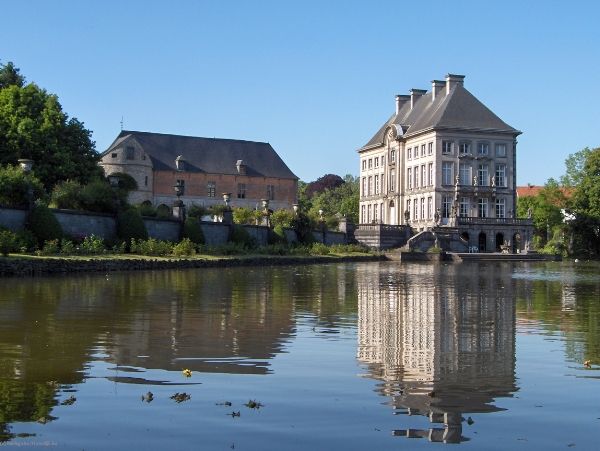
pixel 328 181
pixel 10 76
pixel 33 125
pixel 14 187
pixel 44 225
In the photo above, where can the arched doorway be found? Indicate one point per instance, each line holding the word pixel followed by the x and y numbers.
pixel 482 242
pixel 499 241
pixel 517 243
pixel 392 212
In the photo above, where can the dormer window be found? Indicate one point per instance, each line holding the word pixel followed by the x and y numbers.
pixel 241 168
pixel 180 163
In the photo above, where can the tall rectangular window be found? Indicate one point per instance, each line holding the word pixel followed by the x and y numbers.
pixel 392 179
pixel 430 174
pixel 370 186
pixel 409 153
pixel 483 148
pixel 270 192
pixel 363 215
pixel 370 163
pixel 423 175
pixel 241 190
pixel 376 162
pixel 408 204
pixel 409 178
pixel 182 184
pixel 482 208
pixel 393 156
pixel 430 207
pixel 483 174
pixel 211 189
pixel 377 184
pixel 501 175
pixel 464 148
pixel 382 211
pixel 447 147
pixel 364 186
pixel 368 213
pixel 129 153
pixel 364 165
pixel 422 208
pixel 416 174
pixel 465 207
pixel 416 209
pixel 446 173
pixel 500 208
pixel 430 148
pixel 422 150
pixel 146 181
pixel 446 206
pixel 382 183
pixel 465 174
pixel 375 209
pixel 500 150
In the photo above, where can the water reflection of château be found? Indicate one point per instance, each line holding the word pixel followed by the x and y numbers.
pixel 441 338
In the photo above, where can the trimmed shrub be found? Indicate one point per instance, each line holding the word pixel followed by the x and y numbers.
pixel 278 236
pixel 132 227
pixel 185 247
pixel 240 235
pixel 26 240
pixel 319 249
pixel 243 215
pixel 151 247
pixel 146 210
pixel 44 225
pixel 193 231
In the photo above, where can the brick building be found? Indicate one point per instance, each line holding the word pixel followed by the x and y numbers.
pixel 206 167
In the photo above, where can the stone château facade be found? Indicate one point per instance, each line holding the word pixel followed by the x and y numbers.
pixel 206 167
pixel 442 159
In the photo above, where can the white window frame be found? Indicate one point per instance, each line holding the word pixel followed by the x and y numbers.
pixel 464 207
pixel 446 206
pixel 409 153
pixel 416 175
pixel 501 175
pixel 430 174
pixel 447 147
pixel 483 148
pixel 430 148
pixel 483 174
pixel 447 173
pixel 376 184
pixel 423 175
pixel 464 148
pixel 483 208
pixel 465 174
pixel 409 178
pixel 500 150
pixel 500 208
pixel 430 207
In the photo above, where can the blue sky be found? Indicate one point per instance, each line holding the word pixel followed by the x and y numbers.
pixel 316 79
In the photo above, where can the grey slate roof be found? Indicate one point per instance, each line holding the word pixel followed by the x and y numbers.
pixel 457 109
pixel 208 155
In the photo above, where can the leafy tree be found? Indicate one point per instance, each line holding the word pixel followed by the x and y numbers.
pixel 303 200
pixel 341 201
pixel 547 209
pixel 585 204
pixel 328 181
pixel 33 125
pixel 575 168
pixel 14 187
pixel 193 231
pixel 10 76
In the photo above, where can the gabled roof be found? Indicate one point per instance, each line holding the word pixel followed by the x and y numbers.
pixel 459 109
pixel 208 155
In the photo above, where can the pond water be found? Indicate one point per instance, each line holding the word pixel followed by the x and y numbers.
pixel 342 356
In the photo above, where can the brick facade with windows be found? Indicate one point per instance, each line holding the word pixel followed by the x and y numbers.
pixel 208 167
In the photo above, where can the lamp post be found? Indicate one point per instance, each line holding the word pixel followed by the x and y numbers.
pixel 114 184
pixel 26 165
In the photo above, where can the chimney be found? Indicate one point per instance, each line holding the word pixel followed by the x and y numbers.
pixel 436 87
pixel 415 94
pixel 400 101
pixel 452 80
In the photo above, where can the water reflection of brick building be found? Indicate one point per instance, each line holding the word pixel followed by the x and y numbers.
pixel 177 330
pixel 441 349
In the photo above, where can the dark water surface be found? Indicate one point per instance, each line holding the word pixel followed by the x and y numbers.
pixel 345 356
